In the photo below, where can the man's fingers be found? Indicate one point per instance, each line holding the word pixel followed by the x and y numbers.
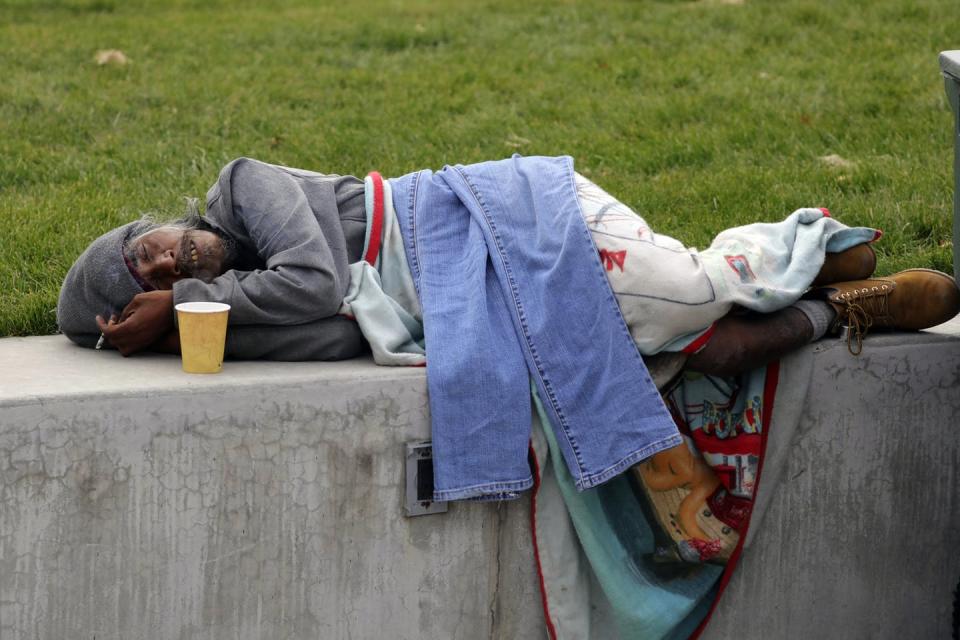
pixel 147 318
pixel 128 311
pixel 107 326
pixel 109 331
pixel 118 336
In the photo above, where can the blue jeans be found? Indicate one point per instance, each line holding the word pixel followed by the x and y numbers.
pixel 512 290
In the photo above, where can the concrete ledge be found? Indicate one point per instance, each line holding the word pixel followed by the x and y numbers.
pixel 266 502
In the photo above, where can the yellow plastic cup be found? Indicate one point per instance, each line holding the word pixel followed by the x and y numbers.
pixel 203 335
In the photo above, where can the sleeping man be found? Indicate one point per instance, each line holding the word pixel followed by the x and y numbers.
pixel 276 244
pixel 509 273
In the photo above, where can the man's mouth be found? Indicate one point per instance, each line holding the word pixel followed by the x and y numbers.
pixel 187 257
pixel 195 260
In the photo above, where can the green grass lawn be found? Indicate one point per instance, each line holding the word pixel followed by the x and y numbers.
pixel 700 115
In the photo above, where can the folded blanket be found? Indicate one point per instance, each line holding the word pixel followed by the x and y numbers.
pixel 647 554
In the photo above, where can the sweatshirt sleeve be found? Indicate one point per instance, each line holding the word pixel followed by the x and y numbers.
pixel 336 338
pixel 300 282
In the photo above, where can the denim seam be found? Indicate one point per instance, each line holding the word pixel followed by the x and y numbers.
pixel 483 489
pixel 506 485
pixel 521 316
pixel 415 248
pixel 619 467
pixel 496 497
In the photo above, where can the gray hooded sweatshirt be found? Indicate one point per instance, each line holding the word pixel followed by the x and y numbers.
pixel 296 233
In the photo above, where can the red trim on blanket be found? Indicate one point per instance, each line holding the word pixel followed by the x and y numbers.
pixel 535 467
pixel 701 341
pixel 826 212
pixel 769 392
pixel 877 234
pixel 376 226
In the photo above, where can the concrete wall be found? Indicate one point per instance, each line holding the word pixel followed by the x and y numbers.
pixel 266 502
pixel 859 539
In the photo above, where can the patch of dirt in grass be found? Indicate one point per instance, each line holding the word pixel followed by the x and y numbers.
pixel 111 56
pixel 833 160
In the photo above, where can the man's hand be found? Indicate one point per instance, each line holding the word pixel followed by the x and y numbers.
pixel 147 319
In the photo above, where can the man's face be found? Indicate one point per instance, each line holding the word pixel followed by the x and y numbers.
pixel 164 256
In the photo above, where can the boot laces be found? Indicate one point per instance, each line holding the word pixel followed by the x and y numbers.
pixel 861 307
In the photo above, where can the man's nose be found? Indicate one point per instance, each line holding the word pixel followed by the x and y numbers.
pixel 167 263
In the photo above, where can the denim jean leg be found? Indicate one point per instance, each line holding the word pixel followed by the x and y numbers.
pixel 511 286
pixel 577 346
pixel 478 449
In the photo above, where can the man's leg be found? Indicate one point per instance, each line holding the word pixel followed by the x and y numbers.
pixel 745 341
pixel 911 300
pixel 742 342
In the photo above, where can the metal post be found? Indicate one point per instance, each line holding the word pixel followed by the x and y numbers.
pixel 950 66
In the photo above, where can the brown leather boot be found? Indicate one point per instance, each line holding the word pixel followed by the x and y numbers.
pixel 856 263
pixel 910 300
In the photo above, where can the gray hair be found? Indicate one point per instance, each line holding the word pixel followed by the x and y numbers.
pixel 191 220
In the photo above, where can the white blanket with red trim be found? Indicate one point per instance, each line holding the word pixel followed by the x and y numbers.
pixel 670 295
pixel 382 297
